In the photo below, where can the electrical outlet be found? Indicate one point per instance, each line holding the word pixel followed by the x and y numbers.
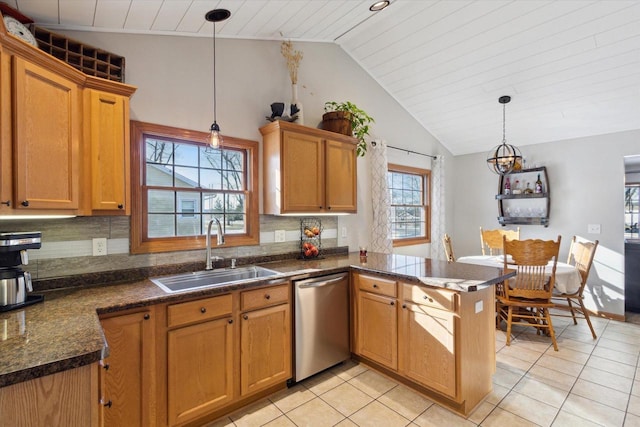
pixel 99 246
pixel 593 228
pixel 343 232
pixel 279 236
pixel 479 306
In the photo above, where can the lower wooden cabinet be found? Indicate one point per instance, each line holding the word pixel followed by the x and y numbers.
pixel 441 341
pixel 128 373
pixel 428 347
pixel 265 342
pixel 68 398
pixel 200 369
pixel 377 337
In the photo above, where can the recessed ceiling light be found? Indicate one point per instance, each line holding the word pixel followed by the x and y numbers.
pixel 379 5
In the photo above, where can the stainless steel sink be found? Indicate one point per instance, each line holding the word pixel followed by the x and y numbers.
pixel 212 278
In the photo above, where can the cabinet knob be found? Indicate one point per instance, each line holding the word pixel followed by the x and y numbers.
pixel 8 203
pixel 329 207
pixel 108 404
pixel 106 367
pixel 319 207
pixel 427 298
pixel 120 206
pixel 245 317
pixel 267 296
pixel 147 316
pixel 230 320
pixel 404 305
pixel 393 303
pixel 25 203
pixel 203 310
pixel 375 286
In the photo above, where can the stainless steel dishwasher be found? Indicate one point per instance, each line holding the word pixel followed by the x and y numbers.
pixel 321 323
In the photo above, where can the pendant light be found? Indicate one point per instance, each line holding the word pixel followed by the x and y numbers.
pixel 504 158
pixel 215 15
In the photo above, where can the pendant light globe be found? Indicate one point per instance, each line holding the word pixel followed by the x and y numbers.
pixel 504 158
pixel 215 15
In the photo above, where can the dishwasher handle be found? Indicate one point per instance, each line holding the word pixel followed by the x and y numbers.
pixel 321 283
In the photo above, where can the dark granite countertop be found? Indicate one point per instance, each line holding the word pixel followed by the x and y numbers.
pixel 64 331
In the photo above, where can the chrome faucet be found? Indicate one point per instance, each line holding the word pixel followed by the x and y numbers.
pixel 219 242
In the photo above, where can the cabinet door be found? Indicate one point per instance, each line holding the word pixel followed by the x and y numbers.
pixel 46 138
pixel 200 369
pixel 341 183
pixel 108 133
pixel 302 173
pixel 428 349
pixel 129 370
pixel 265 341
pixel 6 135
pixel 377 335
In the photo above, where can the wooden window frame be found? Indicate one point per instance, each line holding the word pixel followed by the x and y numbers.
pixel 140 244
pixel 425 174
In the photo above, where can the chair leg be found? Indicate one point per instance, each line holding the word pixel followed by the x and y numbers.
pixel 551 331
pixel 573 314
pixel 509 325
pixel 585 313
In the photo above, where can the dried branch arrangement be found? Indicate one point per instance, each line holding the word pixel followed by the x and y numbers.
pixel 293 58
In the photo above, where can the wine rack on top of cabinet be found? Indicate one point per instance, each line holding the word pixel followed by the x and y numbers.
pixel 81 56
pixel 523 204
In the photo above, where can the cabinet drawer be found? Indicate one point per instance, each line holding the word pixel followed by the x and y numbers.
pixel 437 298
pixel 377 285
pixel 197 311
pixel 264 297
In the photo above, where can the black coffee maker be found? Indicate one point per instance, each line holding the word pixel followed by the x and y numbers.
pixel 14 282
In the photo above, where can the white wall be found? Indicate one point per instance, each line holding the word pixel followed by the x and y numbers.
pixel 175 88
pixel 586 179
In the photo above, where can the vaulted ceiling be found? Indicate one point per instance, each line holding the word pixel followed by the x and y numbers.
pixel 572 67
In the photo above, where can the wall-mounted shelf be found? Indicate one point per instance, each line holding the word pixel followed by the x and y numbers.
pixel 527 208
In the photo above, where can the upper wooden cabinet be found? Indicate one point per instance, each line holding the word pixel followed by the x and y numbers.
pixel 64 138
pixel 308 170
pixel 107 127
pixel 46 141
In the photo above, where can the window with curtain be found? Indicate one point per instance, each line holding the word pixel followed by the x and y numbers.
pixel 631 211
pixel 183 183
pixel 409 195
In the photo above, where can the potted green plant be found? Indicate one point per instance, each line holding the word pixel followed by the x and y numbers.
pixel 346 118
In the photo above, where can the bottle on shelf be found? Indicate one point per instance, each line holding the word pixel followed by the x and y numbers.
pixel 538 187
pixel 507 186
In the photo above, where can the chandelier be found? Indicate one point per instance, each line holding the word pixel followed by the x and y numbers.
pixel 504 158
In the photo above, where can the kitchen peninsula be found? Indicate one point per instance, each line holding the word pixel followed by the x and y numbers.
pixel 64 334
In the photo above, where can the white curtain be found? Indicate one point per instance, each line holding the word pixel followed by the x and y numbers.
pixel 438 226
pixel 381 227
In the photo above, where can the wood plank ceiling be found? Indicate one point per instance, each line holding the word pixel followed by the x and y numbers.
pixel 572 67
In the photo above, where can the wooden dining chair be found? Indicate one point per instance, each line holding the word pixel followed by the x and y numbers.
pixel 491 240
pixel 581 255
pixel 526 298
pixel 448 248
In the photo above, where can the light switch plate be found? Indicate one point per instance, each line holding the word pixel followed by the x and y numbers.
pixel 593 228
pixel 479 306
pixel 279 236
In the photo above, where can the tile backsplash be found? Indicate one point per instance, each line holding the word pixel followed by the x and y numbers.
pixel 67 244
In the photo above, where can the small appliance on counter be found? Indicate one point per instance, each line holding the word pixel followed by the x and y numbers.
pixel 14 282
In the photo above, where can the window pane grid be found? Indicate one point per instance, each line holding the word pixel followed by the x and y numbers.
pixel 187 185
pixel 408 213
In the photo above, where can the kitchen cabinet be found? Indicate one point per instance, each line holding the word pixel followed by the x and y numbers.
pixel 129 371
pixel 107 161
pixel 440 342
pixel 428 346
pixel 199 357
pixel 376 336
pixel 47 132
pixel 64 136
pixel 521 204
pixel 308 170
pixel 68 398
pixel 265 338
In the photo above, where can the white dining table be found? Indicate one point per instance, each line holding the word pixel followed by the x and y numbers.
pixel 567 275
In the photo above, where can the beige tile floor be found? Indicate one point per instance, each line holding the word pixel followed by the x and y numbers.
pixel 586 383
